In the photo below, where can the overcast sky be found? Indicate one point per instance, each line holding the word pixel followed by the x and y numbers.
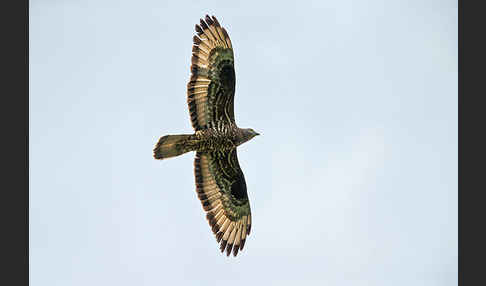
pixel 353 181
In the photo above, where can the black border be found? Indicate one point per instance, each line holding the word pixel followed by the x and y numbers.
pixel 460 35
pixel 14 119
pixel 471 49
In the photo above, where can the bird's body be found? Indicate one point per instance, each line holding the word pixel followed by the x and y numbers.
pixel 224 138
pixel 220 183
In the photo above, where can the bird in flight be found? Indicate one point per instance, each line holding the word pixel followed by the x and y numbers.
pixel 220 183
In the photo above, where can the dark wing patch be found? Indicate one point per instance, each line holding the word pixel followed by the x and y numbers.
pixel 221 187
pixel 210 91
pixel 238 188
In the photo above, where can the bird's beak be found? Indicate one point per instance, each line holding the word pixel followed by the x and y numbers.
pixel 256 133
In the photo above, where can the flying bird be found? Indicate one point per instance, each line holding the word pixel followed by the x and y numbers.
pixel 220 183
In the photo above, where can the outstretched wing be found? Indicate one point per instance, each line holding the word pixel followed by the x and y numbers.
pixel 221 187
pixel 211 89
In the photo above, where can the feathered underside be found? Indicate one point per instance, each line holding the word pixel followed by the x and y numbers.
pixel 220 183
pixel 221 187
pixel 210 91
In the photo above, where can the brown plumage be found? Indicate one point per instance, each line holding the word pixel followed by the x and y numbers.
pixel 220 183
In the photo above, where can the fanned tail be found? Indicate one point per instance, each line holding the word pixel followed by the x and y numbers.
pixel 172 145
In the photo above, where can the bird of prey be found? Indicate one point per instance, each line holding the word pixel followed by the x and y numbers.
pixel 220 183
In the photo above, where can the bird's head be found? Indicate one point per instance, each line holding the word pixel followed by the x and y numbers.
pixel 252 133
pixel 247 134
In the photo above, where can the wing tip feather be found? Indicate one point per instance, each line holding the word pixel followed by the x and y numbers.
pixel 242 244
pixel 196 39
pixel 216 22
pixel 198 29
pixel 203 24
pixel 223 245
pixel 209 20
pixel 229 247
pixel 219 235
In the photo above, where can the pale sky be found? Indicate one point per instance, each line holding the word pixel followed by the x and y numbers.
pixel 353 181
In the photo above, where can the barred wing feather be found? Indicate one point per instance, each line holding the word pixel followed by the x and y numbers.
pixel 210 91
pixel 221 187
